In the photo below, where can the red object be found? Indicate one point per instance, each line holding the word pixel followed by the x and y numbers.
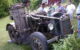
pixel 52 1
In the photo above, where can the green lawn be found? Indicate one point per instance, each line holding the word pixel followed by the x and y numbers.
pixel 4 45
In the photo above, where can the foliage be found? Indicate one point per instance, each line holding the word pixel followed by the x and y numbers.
pixel 16 1
pixel 70 43
pixel 11 2
pixel 3 8
pixel 76 2
pixel 35 4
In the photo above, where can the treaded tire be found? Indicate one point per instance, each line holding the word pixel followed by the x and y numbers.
pixel 38 41
pixel 11 32
pixel 14 36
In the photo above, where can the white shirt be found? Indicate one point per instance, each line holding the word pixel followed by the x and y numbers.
pixel 40 9
pixel 70 9
pixel 43 9
pixel 78 9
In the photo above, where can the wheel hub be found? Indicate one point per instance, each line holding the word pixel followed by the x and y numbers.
pixel 37 44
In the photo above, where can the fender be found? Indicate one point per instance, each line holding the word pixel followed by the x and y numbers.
pixel 12 24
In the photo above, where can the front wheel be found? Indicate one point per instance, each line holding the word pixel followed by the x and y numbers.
pixel 38 41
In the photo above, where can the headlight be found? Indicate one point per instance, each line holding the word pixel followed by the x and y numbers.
pixel 50 26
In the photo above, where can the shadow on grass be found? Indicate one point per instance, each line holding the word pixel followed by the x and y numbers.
pixel 2 17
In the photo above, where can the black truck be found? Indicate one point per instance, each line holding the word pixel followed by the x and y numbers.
pixel 37 30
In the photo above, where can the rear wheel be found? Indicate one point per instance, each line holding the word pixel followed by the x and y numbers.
pixel 38 41
pixel 11 32
pixel 14 35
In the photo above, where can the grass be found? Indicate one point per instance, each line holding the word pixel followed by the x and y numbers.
pixel 4 45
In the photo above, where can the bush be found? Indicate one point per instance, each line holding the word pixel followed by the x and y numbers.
pixel 70 43
pixel 35 4
pixel 3 8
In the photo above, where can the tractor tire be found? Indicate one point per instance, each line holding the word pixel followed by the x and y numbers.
pixel 38 41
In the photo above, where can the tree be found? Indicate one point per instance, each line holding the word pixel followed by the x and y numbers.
pixel 3 8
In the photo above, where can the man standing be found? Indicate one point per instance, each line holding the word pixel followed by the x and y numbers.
pixel 60 8
pixel 78 18
pixel 41 9
pixel 26 2
pixel 70 10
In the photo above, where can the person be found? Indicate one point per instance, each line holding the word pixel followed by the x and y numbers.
pixel 41 9
pixel 51 10
pixel 26 3
pixel 70 10
pixel 60 8
pixel 78 19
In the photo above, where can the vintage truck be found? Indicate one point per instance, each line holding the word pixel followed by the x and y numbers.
pixel 37 30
